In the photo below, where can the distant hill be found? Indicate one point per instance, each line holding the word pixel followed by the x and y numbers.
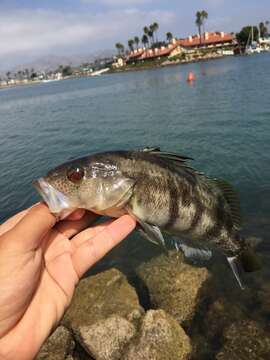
pixel 51 62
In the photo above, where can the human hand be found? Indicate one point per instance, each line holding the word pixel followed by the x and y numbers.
pixel 40 264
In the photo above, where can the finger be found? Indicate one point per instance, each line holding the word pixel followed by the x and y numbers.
pixel 31 229
pixel 69 228
pixel 96 247
pixel 11 222
pixel 89 233
pixel 76 215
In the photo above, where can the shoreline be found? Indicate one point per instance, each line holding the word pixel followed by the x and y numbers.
pixel 152 66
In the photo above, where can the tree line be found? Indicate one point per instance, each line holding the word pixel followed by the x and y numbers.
pixel 150 37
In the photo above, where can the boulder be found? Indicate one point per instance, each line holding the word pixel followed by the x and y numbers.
pixel 104 314
pixel 106 339
pixel 58 346
pixel 174 286
pixel 219 315
pixel 100 296
pixel 160 338
pixel 245 340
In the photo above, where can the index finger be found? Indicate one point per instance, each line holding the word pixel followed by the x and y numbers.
pixel 99 245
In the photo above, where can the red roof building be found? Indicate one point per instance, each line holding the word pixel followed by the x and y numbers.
pixel 208 39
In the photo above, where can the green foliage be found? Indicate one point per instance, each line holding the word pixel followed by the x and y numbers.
pixel 201 16
pixel 263 29
pixel 66 70
pixel 169 36
pixel 244 35
pixel 131 44
pixel 145 39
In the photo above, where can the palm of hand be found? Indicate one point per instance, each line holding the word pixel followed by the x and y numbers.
pixel 38 275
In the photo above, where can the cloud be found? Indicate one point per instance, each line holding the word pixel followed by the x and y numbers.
pixel 125 3
pixel 33 33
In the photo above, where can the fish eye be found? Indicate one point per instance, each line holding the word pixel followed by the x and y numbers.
pixel 75 174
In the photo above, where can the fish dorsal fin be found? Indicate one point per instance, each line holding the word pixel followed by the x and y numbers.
pixel 177 161
pixel 167 155
pixel 232 200
pixel 192 251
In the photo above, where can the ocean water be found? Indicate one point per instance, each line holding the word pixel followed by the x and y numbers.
pixel 222 121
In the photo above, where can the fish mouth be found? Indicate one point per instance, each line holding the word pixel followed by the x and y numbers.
pixel 58 203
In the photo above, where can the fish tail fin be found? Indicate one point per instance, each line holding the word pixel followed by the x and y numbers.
pixel 246 261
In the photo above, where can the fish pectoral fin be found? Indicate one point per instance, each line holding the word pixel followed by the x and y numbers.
pixel 152 233
pixel 233 262
pixel 191 251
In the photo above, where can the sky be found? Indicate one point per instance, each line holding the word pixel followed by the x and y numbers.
pixel 32 29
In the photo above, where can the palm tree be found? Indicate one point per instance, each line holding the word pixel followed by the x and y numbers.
pixel 151 35
pixel 136 41
pixel 146 30
pixel 169 36
pixel 204 15
pixel 200 17
pixel 156 27
pixel 130 44
pixel 120 48
pixel 152 32
pixel 145 39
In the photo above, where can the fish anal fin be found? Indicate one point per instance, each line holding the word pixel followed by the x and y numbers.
pixel 192 251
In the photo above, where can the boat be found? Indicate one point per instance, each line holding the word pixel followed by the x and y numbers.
pixel 99 72
pixel 252 47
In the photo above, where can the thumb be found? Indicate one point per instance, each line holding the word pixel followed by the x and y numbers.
pixel 31 229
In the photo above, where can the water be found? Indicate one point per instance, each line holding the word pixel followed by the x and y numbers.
pixel 222 121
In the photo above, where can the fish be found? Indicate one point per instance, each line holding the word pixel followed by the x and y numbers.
pixel 165 195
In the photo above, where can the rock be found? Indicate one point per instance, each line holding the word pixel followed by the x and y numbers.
pixel 219 315
pixel 264 298
pixel 160 338
pixel 106 339
pixel 100 296
pixel 245 340
pixel 174 286
pixel 58 346
pixel 104 313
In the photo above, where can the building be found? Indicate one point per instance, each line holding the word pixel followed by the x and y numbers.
pixel 220 42
pixel 120 62
pixel 208 40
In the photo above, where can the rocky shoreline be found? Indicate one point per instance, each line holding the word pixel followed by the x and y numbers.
pixel 187 319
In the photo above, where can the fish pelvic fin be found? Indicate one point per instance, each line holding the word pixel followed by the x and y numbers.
pixel 150 232
pixel 233 262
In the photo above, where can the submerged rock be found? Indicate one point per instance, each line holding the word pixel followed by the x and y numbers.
pixel 104 313
pixel 106 339
pixel 219 315
pixel 160 338
pixel 58 346
pixel 245 340
pixel 174 286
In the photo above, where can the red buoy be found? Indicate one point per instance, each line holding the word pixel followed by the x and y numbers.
pixel 191 77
